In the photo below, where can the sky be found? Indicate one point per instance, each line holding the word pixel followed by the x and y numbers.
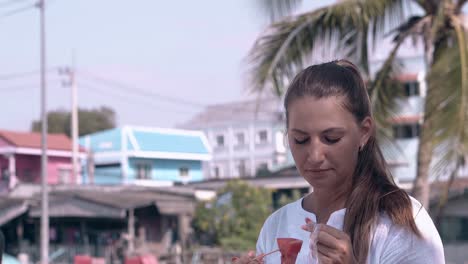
pixel 156 63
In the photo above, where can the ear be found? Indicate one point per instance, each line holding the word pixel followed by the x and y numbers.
pixel 366 129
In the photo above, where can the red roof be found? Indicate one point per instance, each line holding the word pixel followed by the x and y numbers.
pixel 407 77
pixel 33 140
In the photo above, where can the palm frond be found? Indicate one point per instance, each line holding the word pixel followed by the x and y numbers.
pixel 447 100
pixel 384 91
pixel 459 6
pixel 276 9
pixel 280 52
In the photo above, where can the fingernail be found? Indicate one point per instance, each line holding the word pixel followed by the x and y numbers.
pixel 308 220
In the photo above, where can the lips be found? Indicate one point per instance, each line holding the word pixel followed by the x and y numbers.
pixel 317 170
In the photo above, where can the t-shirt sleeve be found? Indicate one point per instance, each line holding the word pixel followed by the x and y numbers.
pixel 261 241
pixel 403 246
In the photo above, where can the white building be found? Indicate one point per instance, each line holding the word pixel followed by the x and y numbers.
pixel 246 137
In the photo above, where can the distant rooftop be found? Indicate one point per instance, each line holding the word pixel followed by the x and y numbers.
pixel 267 109
pixel 33 140
pixel 155 142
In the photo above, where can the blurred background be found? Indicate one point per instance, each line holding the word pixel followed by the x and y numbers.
pixel 165 126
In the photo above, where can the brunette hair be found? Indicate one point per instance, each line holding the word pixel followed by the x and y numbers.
pixel 373 190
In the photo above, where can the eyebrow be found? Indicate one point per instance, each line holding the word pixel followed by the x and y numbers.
pixel 328 130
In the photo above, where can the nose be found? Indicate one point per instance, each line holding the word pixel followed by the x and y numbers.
pixel 316 153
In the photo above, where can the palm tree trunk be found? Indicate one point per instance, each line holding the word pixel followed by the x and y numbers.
pixel 445 194
pixel 421 186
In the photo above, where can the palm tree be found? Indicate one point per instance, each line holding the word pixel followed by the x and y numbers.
pixel 352 27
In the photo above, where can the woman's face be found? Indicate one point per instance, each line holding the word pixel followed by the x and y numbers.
pixel 324 138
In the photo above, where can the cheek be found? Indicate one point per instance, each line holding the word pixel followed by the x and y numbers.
pixel 344 158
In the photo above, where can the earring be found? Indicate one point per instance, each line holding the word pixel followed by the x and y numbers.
pixel 360 148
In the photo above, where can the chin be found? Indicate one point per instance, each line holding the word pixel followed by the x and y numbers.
pixel 319 183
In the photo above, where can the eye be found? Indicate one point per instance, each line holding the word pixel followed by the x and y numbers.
pixel 332 140
pixel 301 141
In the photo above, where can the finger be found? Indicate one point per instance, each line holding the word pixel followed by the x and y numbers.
pixel 327 240
pixel 326 251
pixel 322 259
pixel 333 231
pixel 309 225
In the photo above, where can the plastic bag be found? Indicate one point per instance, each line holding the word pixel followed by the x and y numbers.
pixel 313 254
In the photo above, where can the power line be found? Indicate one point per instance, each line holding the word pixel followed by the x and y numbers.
pixel 125 98
pixel 145 93
pixel 16 11
pixel 16 88
pixel 9 3
pixel 141 92
pixel 17 75
pixel 24 86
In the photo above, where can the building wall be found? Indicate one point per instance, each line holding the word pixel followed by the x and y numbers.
pixel 60 170
pixel 228 159
pixel 165 170
pixel 108 175
pixel 105 141
pixel 28 169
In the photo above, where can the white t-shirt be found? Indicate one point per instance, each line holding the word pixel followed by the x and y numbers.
pixel 391 244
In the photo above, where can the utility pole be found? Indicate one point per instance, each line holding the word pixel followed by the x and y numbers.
pixel 70 72
pixel 74 128
pixel 44 194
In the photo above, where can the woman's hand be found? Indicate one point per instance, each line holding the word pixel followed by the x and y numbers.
pixel 333 245
pixel 250 258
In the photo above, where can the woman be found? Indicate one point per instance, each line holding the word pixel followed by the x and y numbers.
pixel 358 213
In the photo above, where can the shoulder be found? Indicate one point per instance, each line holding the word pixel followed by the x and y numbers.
pixel 395 244
pixel 275 224
pixel 281 214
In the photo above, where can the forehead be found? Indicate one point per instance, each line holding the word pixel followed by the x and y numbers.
pixel 310 113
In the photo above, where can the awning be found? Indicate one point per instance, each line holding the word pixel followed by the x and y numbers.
pixel 11 208
pixel 75 206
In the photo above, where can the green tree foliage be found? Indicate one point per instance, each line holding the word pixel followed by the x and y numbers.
pixel 89 120
pixel 234 219
pixel 284 198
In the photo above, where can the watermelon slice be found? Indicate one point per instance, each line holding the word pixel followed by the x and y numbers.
pixel 289 248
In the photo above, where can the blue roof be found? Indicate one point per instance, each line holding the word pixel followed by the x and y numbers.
pixel 147 140
pixel 156 141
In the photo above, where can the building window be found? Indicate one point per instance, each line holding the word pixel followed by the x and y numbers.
pixel 64 175
pixel 411 88
pixel 406 130
pixel 143 171
pixel 240 139
pixel 183 172
pixel 220 140
pixel 262 136
pixel 262 170
pixel 216 172
pixel 28 175
pixel 262 166
pixel 5 174
pixel 241 169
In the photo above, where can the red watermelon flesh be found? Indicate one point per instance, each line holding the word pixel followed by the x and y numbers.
pixel 289 248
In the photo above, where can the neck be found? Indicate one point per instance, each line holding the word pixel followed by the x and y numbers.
pixel 324 202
